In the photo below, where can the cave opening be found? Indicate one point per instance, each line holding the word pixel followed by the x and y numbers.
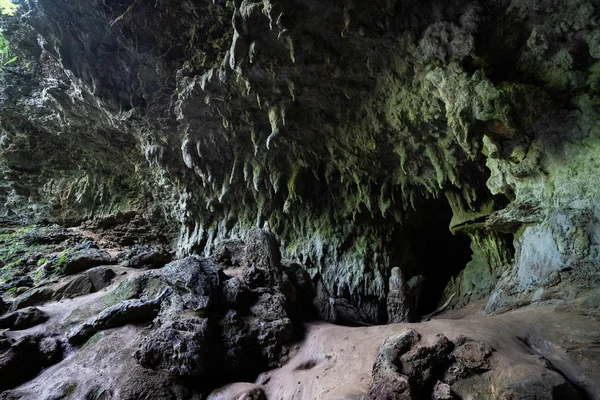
pixel 429 254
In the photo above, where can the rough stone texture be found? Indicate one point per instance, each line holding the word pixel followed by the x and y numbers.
pixel 15 282
pixel 78 286
pixel 184 348
pixel 400 306
pixel 3 306
pixel 409 366
pixel 23 319
pixel 126 312
pixel 32 297
pixel 84 259
pixel 144 256
pixel 530 381
pixel 215 324
pixel 330 120
pixel 25 358
pixel 100 277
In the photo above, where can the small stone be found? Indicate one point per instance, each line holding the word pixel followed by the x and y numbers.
pixel 441 391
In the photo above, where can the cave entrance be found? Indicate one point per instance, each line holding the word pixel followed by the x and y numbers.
pixel 430 253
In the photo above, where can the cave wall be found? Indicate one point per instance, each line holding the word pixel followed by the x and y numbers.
pixel 333 122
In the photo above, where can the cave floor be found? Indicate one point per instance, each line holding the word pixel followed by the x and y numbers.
pixel 335 362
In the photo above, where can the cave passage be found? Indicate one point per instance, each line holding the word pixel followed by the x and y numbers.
pixel 428 249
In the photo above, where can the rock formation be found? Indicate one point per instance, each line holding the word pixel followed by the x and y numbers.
pixel 253 164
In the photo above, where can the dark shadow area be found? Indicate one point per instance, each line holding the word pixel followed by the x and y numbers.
pixel 426 247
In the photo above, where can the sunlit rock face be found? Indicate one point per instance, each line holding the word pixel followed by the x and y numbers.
pixel 365 134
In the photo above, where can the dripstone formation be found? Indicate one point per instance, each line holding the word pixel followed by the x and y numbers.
pixel 359 162
pixel 354 129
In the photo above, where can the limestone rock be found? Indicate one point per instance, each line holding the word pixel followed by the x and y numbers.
pixel 24 359
pixel 399 300
pixel 84 259
pixel 184 348
pixel 230 252
pixel 32 297
pixel 531 381
pixel 3 306
pixel 78 286
pixel 125 312
pixel 100 277
pixel 16 281
pixel 144 256
pixel 23 319
pixel 262 259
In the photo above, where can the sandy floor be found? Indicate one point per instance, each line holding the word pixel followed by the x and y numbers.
pixel 335 362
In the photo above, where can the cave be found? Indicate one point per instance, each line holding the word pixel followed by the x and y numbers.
pixel 432 251
pixel 331 199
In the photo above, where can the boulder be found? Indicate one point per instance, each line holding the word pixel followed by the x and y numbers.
pixel 25 358
pixel 3 306
pixel 23 319
pixel 242 356
pixel 84 259
pixel 78 286
pixel 469 357
pixel 196 280
pixel 32 297
pixel 126 312
pixel 237 294
pixel 527 381
pixel 100 277
pixel 144 256
pixel 19 363
pixel 230 252
pixel 51 351
pixel 183 348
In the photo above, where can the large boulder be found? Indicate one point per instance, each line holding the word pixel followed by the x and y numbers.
pixel 409 366
pixel 123 313
pixel 100 277
pixel 83 259
pixel 230 252
pixel 32 297
pixel 195 279
pixel 78 286
pixel 144 256
pixel 526 381
pixel 25 358
pixel 184 348
pixel 23 319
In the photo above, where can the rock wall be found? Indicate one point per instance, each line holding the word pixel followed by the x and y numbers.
pixel 337 123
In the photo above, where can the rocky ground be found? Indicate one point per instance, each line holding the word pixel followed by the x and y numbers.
pixel 83 317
